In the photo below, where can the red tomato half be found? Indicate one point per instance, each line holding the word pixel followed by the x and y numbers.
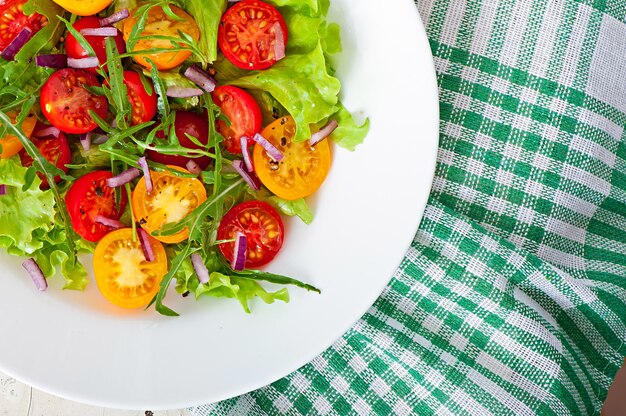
pixel 185 123
pixel 56 150
pixel 13 20
pixel 243 113
pixel 144 105
pixel 248 33
pixel 66 104
pixel 98 43
pixel 89 197
pixel 262 226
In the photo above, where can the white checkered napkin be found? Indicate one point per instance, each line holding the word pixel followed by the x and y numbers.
pixel 512 298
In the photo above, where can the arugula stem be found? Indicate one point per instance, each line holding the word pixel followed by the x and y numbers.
pixel 132 213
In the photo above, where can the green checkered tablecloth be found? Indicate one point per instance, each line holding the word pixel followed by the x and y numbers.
pixel 512 297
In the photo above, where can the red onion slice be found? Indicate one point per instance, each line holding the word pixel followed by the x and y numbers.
pixel 271 150
pixel 99 31
pixel 3 189
pixel 83 63
pixel 109 222
pixel 245 151
pixel 16 44
pixel 48 132
pixel 143 164
pixel 180 92
pixel 36 274
pixel 85 141
pixel 115 17
pixel 146 246
pixel 279 42
pixel 201 78
pixel 55 60
pixel 323 133
pixel 193 167
pixel 239 253
pixel 251 179
pixel 200 268
pixel 100 139
pixel 123 178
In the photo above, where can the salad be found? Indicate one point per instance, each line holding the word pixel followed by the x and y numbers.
pixel 166 137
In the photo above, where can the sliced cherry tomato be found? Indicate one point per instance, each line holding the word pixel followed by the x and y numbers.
pixel 262 227
pixel 98 43
pixel 248 33
pixel 56 150
pixel 172 199
pixel 89 197
pixel 83 7
pixel 160 24
pixel 303 168
pixel 13 21
pixel 144 105
pixel 66 104
pixel 11 145
pixel 123 274
pixel 186 123
pixel 242 112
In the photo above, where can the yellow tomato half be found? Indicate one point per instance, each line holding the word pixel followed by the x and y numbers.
pixel 11 145
pixel 84 7
pixel 124 276
pixel 303 168
pixel 172 199
pixel 160 24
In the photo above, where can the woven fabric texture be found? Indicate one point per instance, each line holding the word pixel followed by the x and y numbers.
pixel 512 297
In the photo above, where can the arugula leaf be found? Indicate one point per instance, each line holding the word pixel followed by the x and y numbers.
pixel 159 87
pixel 116 86
pixel 79 37
pixel 46 39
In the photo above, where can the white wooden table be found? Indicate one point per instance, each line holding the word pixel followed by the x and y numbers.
pixel 17 399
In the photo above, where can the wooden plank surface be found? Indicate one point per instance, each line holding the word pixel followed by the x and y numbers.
pixel 17 399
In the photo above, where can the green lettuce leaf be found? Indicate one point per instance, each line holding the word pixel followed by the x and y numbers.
pixel 29 227
pixel 54 254
pixel 297 207
pixel 207 14
pixel 301 84
pixel 22 213
pixel 349 134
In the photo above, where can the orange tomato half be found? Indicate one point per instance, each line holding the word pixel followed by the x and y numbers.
pixel 124 276
pixel 83 7
pixel 11 145
pixel 303 168
pixel 160 24
pixel 172 199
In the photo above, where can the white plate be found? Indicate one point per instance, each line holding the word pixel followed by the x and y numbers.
pixel 77 346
